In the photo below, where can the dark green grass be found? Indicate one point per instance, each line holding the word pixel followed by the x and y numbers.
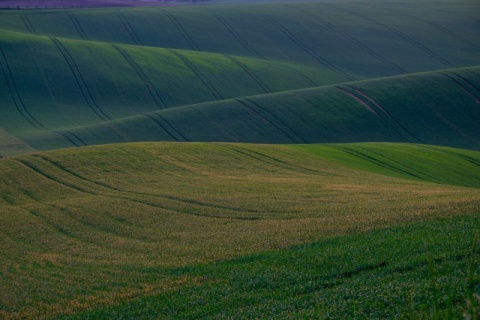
pixel 70 83
pixel 421 271
pixel 362 39
pixel 65 69
pixel 440 108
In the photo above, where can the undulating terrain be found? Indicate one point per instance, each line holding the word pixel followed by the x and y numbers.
pixel 230 159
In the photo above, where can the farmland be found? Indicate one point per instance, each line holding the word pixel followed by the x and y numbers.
pixel 240 159
pixel 101 234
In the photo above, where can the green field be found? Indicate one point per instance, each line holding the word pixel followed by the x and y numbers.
pixel 101 237
pixel 241 159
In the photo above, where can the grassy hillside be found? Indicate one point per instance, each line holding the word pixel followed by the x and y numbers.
pixel 50 83
pixel 100 225
pixel 65 69
pixel 366 276
pixel 439 108
pixel 243 214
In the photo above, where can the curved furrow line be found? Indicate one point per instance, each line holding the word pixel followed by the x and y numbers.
pixel 182 30
pixel 403 36
pixel 77 25
pixel 161 126
pixel 29 25
pixel 265 118
pixel 465 80
pixel 52 178
pixel 373 160
pixel 381 112
pixel 305 48
pixel 360 101
pixel 68 138
pixel 80 189
pixel 94 226
pixel 87 95
pixel 463 84
pixel 357 42
pixel 170 127
pixel 312 83
pixel 129 192
pixel 196 214
pixel 437 26
pixel 15 94
pixel 204 80
pixel 73 138
pixel 54 225
pixel 76 137
pixel 252 75
pixel 400 164
pixel 151 88
pixel 234 33
pixel 129 29
pixel 287 128
pixel 261 157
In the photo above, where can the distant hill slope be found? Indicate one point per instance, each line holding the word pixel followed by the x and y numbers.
pixel 441 108
pixel 101 224
pixel 72 77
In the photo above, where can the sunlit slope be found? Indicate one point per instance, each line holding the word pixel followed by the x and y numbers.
pixel 441 108
pixel 355 40
pixel 92 221
pixel 384 274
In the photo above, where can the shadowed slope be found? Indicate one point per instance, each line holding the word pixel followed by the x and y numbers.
pixel 108 64
pixel 441 108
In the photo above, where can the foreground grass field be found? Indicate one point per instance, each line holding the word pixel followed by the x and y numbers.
pixel 102 225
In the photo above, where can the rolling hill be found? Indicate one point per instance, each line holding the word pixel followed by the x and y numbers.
pixel 99 77
pixel 241 159
pixel 106 219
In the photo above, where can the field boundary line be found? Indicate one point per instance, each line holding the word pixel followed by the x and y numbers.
pixel 203 79
pixel 12 88
pixel 305 48
pixel 87 95
pixel 146 80
pixel 182 30
pixel 252 75
pixel 77 25
pixel 403 36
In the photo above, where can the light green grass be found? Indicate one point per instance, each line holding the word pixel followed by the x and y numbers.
pixel 83 227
